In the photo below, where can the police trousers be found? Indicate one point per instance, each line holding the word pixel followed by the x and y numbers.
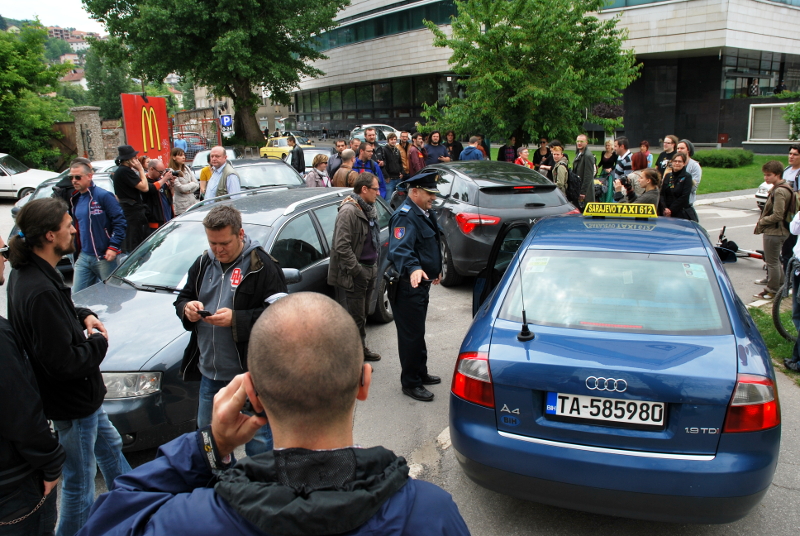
pixel 410 309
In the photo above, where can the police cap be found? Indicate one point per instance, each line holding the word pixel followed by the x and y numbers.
pixel 425 181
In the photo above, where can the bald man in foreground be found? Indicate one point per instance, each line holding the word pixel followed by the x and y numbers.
pixel 307 376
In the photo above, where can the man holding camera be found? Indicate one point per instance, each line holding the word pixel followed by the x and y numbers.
pixel 158 198
pixel 30 456
pixel 227 289
pixel 306 375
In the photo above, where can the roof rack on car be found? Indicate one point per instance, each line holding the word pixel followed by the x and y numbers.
pixel 254 191
pixel 338 193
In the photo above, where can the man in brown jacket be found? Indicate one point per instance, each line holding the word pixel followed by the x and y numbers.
pixel 772 225
pixel 345 176
pixel 354 255
pixel 403 146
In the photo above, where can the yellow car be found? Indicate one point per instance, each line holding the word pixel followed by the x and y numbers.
pixel 279 147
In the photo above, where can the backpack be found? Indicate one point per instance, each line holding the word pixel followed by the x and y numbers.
pixel 573 186
pixel 791 208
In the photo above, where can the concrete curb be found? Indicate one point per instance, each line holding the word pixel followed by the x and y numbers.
pixel 715 200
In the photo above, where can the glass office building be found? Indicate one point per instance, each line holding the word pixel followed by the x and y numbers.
pixel 696 56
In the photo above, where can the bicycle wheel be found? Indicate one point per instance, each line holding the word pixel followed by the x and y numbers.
pixel 782 315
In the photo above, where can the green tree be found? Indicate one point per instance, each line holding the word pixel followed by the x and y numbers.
pixel 76 94
pixel 55 48
pixel 26 115
pixel 186 86
pixel 3 24
pixel 531 68
pixel 107 80
pixel 229 46
pixel 791 114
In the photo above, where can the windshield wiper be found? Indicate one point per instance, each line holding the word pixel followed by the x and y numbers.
pixel 131 283
pixel 160 287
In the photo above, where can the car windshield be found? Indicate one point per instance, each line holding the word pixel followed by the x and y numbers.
pixel 619 292
pixel 201 158
pixel 257 176
pixel 164 259
pixel 12 165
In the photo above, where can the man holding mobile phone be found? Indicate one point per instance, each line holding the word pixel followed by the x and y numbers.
pixel 226 290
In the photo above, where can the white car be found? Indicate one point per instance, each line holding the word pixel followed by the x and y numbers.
pixel 17 179
pixel 386 129
pixel 104 166
pixel 762 193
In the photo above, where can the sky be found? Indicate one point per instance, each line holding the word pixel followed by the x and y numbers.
pixel 64 13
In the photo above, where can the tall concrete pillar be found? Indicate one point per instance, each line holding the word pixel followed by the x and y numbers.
pixel 88 132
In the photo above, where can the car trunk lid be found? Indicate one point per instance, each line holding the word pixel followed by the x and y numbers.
pixel 693 376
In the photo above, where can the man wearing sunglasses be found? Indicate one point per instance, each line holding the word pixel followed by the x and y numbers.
pixel 100 226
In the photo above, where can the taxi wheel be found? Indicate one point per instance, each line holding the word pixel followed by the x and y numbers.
pixel 383 307
pixel 24 192
pixel 450 278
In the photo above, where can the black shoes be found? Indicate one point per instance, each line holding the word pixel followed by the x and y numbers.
pixel 418 393
pixel 369 355
pixel 429 379
pixel 792 365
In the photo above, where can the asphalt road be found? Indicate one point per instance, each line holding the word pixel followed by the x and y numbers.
pixel 419 430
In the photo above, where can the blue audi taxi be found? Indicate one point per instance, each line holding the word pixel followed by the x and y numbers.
pixel 611 368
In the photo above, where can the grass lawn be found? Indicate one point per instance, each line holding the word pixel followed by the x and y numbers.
pixel 742 178
pixel 779 348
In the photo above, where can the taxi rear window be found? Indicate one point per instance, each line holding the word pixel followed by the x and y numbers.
pixel 618 292
pixel 520 197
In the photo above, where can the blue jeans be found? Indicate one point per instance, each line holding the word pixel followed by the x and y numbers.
pixel 262 442
pixel 89 270
pixel 391 186
pixel 88 442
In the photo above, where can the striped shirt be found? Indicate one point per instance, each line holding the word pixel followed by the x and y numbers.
pixel 623 167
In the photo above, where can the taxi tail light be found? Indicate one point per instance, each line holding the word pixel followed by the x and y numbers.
pixel 573 211
pixel 472 379
pixel 754 405
pixel 467 221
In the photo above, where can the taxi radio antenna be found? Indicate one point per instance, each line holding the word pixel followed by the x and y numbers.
pixel 525 334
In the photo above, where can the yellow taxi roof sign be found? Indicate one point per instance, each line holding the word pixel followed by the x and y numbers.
pixel 620 210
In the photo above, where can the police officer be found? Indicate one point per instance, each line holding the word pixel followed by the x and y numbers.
pixel 414 252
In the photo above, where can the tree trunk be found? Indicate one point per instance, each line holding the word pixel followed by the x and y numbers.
pixel 246 126
pixel 245 123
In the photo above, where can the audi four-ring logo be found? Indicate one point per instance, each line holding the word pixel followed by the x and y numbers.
pixel 594 383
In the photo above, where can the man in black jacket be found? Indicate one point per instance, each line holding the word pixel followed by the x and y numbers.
pixel 238 280
pixel 65 361
pixel 30 456
pixel 298 160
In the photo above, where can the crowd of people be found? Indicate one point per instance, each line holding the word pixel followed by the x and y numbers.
pixel 264 383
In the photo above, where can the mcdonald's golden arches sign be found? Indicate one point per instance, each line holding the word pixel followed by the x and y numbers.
pixel 146 126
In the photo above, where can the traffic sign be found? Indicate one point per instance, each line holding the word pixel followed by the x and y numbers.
pixel 226 123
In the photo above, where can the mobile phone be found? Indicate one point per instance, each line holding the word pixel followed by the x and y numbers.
pixel 248 408
pixel 4 251
pixel 204 313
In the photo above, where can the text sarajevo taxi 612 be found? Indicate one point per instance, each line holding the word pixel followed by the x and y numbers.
pixel 611 368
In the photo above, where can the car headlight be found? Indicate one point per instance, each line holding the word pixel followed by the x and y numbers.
pixel 131 384
pixel 763 190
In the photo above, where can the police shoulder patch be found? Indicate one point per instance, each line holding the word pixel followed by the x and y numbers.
pixel 405 208
pixel 399 232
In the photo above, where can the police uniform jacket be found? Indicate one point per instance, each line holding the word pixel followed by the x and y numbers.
pixel 414 241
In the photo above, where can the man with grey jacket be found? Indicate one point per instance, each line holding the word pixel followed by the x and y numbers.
pixel 354 256
pixel 226 290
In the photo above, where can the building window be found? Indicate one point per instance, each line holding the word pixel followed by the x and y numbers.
pixel 382 94
pixel 315 102
pixel 336 99
pixel 349 100
pixel 767 123
pixel 401 92
pixel 307 102
pixel 425 90
pixel 324 101
pixel 364 97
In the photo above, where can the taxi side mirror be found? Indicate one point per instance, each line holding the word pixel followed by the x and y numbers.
pixel 726 255
pixel 292 275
